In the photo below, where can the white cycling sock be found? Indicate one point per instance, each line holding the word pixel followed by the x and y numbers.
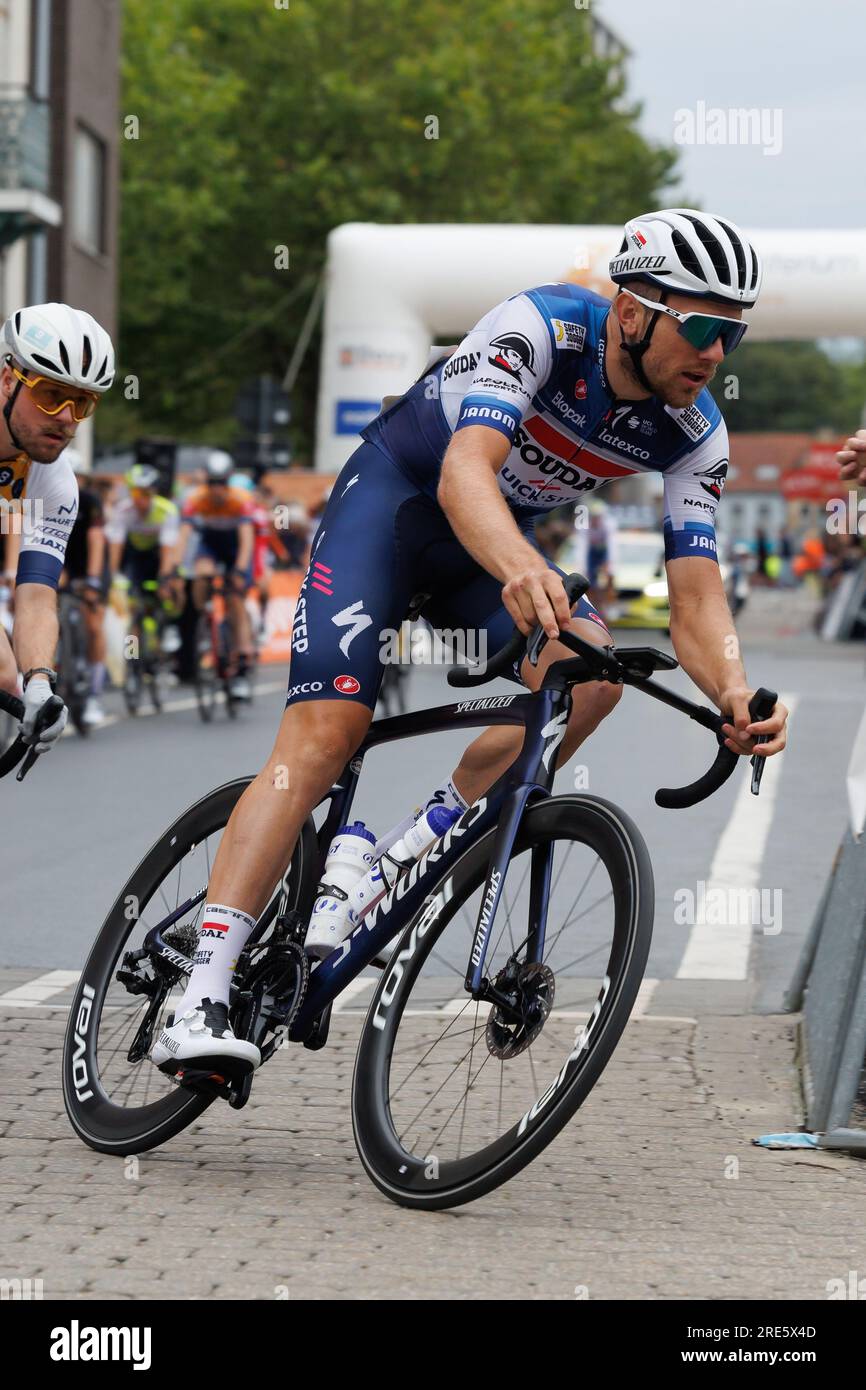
pixel 447 796
pixel 223 935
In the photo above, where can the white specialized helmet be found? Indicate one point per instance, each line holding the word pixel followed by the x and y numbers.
pixel 61 342
pixel 689 252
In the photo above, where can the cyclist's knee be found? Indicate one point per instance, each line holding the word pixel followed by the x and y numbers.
pixel 321 736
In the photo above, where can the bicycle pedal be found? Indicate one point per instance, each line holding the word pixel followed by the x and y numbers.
pixel 196 1079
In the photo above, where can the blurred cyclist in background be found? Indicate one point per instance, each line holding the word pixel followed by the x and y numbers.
pixel 142 532
pixel 83 572
pixel 220 517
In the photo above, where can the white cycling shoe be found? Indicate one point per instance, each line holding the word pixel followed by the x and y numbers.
pixel 240 688
pixel 202 1040
pixel 93 714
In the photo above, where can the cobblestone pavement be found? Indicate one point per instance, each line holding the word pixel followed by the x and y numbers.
pixel 654 1190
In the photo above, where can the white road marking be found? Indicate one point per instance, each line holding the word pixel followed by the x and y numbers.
pixel 170 707
pixel 36 991
pixel 721 952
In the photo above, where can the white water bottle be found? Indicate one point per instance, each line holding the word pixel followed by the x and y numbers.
pixel 349 859
pixel 367 891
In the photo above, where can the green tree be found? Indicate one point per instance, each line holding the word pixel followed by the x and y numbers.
pixel 262 127
pixel 789 386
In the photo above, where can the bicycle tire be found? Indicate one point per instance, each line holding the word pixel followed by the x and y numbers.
pixel 98 1121
pixel 401 1175
pixel 205 670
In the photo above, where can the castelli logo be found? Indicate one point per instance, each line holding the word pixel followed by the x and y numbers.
pixel 347 685
pixel 580 390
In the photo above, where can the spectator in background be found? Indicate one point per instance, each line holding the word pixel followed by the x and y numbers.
pixel 601 539
pixel 762 554
pixel 786 558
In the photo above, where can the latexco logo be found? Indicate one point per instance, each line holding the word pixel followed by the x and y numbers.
pixel 77 1343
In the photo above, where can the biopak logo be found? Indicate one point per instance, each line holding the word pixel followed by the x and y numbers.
pixel 732 125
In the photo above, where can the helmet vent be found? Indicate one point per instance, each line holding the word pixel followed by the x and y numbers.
pixel 739 253
pixel 47 363
pixel 86 353
pixel 715 250
pixel 64 355
pixel 686 255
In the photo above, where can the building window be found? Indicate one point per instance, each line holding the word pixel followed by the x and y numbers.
pixel 88 225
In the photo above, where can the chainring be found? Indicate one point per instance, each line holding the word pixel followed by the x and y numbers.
pixel 533 991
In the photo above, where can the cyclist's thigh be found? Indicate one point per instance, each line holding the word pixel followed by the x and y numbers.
pixel 358 584
pixel 476 611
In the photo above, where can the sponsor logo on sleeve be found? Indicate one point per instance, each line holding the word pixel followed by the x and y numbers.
pixel 568 335
pixel 715 478
pixel 346 685
pixel 513 353
pixel 462 362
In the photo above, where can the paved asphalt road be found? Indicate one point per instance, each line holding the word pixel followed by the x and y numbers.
pixel 653 1191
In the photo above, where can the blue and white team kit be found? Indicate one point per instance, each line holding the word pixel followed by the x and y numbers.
pixel 532 369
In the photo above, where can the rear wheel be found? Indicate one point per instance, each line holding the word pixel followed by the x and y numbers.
pixel 452 1097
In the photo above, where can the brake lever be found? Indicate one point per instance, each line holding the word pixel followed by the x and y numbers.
pixel 761 705
pixel 46 716
pixel 575 586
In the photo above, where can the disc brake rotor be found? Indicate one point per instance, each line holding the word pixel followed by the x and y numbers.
pixel 533 992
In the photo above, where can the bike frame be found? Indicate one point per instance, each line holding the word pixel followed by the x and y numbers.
pixel 544 715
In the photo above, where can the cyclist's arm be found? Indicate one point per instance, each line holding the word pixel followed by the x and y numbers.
pixel 170 552
pixel 470 497
pixel 34 636
pixel 702 628
pixel 95 552
pixel 246 539
pixel 186 532
pixel 115 556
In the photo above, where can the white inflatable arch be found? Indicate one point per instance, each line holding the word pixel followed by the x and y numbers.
pixel 391 291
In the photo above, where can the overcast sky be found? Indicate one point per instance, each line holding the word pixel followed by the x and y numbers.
pixel 803 59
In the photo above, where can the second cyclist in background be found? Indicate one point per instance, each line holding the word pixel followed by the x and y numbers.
pixel 221 519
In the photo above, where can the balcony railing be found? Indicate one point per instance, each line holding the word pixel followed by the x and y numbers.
pixel 24 139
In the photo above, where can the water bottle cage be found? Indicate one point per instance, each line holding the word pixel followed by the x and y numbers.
pixel 396 867
pixel 332 891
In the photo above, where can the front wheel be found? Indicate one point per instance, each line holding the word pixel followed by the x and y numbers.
pixel 451 1097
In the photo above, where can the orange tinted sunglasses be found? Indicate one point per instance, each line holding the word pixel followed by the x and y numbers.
pixel 51 396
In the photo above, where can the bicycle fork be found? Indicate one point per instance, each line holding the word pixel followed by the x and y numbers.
pixel 530 777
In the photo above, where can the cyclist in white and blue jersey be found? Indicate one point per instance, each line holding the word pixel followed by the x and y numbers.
pixel 553 393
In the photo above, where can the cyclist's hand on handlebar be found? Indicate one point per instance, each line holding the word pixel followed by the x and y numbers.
pixel 37 692
pixel 238 581
pixel 535 594
pixel 852 458
pixel 740 732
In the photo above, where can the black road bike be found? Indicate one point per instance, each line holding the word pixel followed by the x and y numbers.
pixel 72 663
pixel 511 953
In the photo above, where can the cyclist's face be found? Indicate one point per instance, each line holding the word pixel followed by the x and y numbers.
pixel 42 436
pixel 218 491
pixel 141 499
pixel 677 371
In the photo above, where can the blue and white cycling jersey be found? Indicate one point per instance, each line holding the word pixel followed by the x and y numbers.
pixel 533 369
